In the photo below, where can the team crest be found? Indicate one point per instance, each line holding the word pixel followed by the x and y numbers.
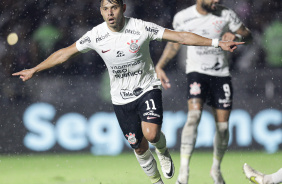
pixel 195 88
pixel 131 138
pixel 134 47
pixel 218 26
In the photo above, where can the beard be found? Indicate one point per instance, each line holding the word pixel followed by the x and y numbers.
pixel 208 7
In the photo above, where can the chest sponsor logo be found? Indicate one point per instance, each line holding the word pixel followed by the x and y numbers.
pixel 84 40
pixel 126 94
pixel 203 50
pixel 120 54
pixel 215 67
pixel 134 32
pixel 100 38
pixel 195 88
pixel 133 45
pixel 152 30
pixel 123 71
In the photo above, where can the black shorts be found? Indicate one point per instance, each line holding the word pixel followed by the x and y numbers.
pixel 147 108
pixel 216 91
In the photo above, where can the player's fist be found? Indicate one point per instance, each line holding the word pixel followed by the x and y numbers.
pixel 163 78
pixel 228 37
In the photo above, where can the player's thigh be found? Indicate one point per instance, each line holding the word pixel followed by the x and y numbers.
pixel 151 113
pixel 130 123
pixel 151 131
pixel 150 107
pixel 197 90
pixel 221 115
pixel 221 93
pixel 195 104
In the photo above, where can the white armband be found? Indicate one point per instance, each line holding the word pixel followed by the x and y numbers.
pixel 239 37
pixel 215 43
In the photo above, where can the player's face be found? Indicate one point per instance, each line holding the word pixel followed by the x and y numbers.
pixel 209 5
pixel 113 14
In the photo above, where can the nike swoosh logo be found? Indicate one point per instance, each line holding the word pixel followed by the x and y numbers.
pixel 253 179
pixel 171 171
pixel 104 51
pixel 151 117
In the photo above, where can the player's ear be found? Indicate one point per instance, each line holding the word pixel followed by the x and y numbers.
pixel 124 7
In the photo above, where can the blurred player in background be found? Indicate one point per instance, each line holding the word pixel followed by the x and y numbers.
pixel 208 77
pixel 260 178
pixel 123 43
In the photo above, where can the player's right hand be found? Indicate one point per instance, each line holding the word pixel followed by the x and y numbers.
pixel 25 74
pixel 162 76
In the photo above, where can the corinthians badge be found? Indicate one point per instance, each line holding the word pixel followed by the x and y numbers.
pixel 134 47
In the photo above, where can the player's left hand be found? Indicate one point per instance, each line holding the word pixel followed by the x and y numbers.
pixel 229 45
pixel 228 37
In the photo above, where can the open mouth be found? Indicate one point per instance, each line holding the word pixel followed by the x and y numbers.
pixel 111 20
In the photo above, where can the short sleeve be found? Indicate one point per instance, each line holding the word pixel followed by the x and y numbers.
pixel 154 31
pixel 84 43
pixel 176 23
pixel 234 21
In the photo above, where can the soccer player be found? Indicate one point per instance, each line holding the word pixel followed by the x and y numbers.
pixel 208 77
pixel 260 178
pixel 123 43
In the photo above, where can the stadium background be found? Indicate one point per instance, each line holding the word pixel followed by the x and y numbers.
pixel 67 109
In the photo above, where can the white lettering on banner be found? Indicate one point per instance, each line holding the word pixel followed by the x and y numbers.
pixel 71 131
pixel 105 134
pixel 269 139
pixel 41 135
pixel 101 131
pixel 240 120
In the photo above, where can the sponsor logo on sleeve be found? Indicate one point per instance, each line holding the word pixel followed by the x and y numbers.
pixel 152 29
pixel 84 40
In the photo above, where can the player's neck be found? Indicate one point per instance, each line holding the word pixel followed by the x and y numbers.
pixel 119 27
pixel 200 9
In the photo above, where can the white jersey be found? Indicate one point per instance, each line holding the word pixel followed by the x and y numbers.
pixel 127 56
pixel 206 60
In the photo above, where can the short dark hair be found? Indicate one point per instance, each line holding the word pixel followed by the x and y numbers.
pixel 119 2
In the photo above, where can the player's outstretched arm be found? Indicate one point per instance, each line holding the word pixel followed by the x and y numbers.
pixel 169 52
pixel 54 59
pixel 188 38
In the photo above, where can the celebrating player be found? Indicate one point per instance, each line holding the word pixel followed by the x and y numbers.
pixel 208 77
pixel 260 178
pixel 123 43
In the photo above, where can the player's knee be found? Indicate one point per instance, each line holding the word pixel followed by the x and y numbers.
pixel 222 129
pixel 152 138
pixel 140 150
pixel 193 118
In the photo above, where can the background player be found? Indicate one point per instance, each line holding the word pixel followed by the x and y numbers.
pixel 123 43
pixel 208 77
